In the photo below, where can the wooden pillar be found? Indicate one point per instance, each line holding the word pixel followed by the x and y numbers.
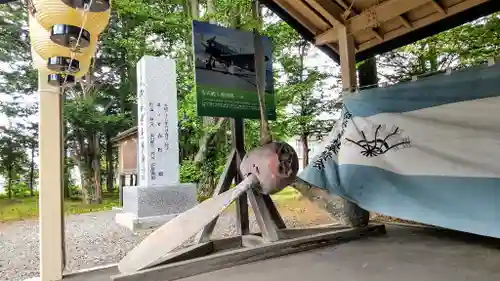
pixel 51 178
pixel 353 214
pixel 347 60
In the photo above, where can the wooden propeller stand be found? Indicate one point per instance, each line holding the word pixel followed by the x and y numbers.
pixel 268 217
pixel 273 240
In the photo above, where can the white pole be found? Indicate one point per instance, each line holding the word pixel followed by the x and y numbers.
pixel 51 192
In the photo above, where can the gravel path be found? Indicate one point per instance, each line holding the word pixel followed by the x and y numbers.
pixel 91 239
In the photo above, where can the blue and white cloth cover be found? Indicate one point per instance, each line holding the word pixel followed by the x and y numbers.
pixel 427 151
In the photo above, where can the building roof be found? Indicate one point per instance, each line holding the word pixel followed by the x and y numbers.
pixel 377 26
pixel 125 135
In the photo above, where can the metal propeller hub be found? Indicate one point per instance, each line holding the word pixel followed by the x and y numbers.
pixel 274 164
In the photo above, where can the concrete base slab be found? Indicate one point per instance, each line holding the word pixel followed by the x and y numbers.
pixel 147 207
pixel 134 223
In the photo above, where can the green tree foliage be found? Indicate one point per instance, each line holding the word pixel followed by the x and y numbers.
pixel 464 46
pixel 301 95
pixel 13 160
pixel 18 84
pixel 105 104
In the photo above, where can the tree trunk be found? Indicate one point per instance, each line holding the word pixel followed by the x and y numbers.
pixel 87 190
pixel 9 181
pixel 67 191
pixel 433 58
pixel 211 10
pixel 96 169
pixel 195 9
pixel 32 169
pixel 109 165
pixel 84 160
pixel 305 150
pixel 208 138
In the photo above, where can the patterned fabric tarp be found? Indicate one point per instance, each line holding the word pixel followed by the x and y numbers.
pixel 427 151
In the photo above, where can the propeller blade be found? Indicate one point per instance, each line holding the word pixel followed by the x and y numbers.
pixel 155 248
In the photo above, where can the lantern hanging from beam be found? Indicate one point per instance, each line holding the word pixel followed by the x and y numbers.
pixel 45 47
pixel 94 5
pixel 58 79
pixel 61 65
pixel 53 12
pixel 64 36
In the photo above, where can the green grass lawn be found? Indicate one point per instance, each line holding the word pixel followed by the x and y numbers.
pixel 288 193
pixel 25 208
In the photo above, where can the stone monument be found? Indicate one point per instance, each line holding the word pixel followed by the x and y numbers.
pixel 159 195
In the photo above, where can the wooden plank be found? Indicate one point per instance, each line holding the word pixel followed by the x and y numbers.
pixel 420 12
pixel 304 10
pixel 262 216
pixel 189 252
pixel 246 255
pixel 329 10
pixel 326 37
pixel 304 21
pixel 250 241
pixel 104 272
pixel 223 185
pixel 372 17
pixel 462 6
pixel 227 243
pixel 383 12
pixel 291 233
pixel 180 229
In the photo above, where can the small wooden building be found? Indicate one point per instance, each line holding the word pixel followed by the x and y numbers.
pixel 126 142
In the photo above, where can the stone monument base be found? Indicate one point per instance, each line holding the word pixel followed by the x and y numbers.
pixel 151 206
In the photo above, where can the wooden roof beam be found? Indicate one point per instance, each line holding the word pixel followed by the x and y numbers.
pixel 438 7
pixel 347 8
pixel 450 11
pixel 371 17
pixel 303 20
pixel 405 22
pixel 351 10
pixel 307 12
pixel 329 10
